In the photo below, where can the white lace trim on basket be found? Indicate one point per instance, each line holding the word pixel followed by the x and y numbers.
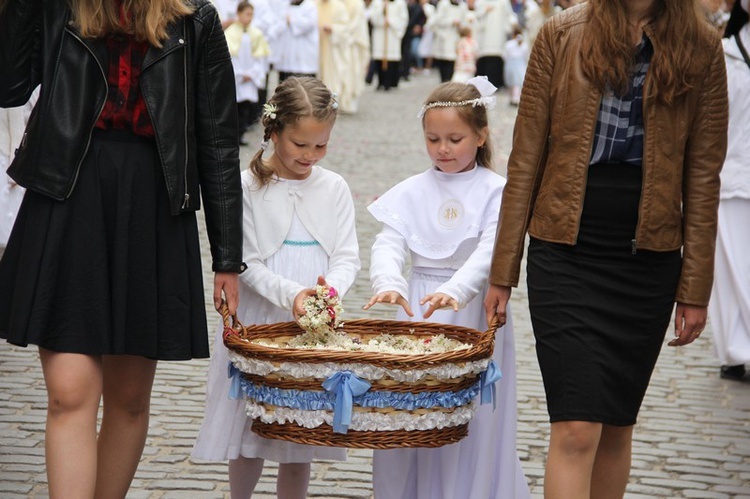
pixel 365 371
pixel 366 420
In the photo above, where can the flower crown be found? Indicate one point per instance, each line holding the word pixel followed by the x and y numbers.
pixel 481 83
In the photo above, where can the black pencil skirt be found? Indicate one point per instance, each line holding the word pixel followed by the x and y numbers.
pixel 109 270
pixel 599 310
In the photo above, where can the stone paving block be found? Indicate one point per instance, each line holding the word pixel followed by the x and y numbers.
pixel 704 494
pixel 185 484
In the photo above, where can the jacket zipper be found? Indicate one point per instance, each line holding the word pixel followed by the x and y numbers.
pixel 185 80
pixel 106 96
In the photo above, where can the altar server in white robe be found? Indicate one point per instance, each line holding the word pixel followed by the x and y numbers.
pixel 333 33
pixel 359 56
pixel 443 220
pixel 449 16
pixel 495 20
pixel 295 36
pixel 249 51
pixel 389 19
pixel 729 308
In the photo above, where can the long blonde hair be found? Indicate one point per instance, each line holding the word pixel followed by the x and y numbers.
pixel 148 21
pixel 294 98
pixel 607 54
pixel 474 115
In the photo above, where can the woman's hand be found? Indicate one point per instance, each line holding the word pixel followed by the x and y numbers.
pixel 436 301
pixel 390 298
pixel 496 303
pixel 227 283
pixel 689 322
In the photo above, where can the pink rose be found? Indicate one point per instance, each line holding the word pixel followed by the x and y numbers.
pixel 332 292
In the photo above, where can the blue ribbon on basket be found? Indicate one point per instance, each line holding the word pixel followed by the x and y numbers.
pixel 487 382
pixel 346 386
pixel 235 386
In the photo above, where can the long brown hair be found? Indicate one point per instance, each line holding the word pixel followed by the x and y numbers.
pixel 474 115
pixel 607 54
pixel 294 98
pixel 148 18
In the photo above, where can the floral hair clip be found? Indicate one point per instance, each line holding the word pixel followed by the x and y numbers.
pixel 269 111
pixel 481 83
pixel 334 102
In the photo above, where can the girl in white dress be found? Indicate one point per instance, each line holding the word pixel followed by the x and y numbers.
pixel 516 52
pixel 298 224
pixel 444 221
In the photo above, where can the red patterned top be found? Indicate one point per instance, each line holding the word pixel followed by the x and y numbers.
pixel 125 107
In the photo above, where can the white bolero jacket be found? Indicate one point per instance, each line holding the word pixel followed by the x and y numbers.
pixel 324 205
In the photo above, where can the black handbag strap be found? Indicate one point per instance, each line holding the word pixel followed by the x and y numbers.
pixel 742 49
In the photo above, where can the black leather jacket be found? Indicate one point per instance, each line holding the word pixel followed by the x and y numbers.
pixel 188 86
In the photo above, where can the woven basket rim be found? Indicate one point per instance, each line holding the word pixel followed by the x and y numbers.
pixel 237 338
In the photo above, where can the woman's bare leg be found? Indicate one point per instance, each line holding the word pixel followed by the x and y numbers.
pixel 570 460
pixel 612 463
pixel 74 388
pixel 128 380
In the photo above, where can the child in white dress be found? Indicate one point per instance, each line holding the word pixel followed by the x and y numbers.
pixel 516 52
pixel 298 224
pixel 444 221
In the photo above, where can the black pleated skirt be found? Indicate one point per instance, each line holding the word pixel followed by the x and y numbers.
pixel 599 310
pixel 109 271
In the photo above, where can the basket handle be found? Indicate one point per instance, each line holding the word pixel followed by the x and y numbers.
pixel 235 325
pixel 494 324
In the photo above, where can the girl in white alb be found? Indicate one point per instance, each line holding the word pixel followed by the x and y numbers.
pixel 298 224
pixel 443 220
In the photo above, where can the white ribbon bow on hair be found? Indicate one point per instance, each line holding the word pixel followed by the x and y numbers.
pixel 486 90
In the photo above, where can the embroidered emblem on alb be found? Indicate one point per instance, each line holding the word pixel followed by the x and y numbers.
pixel 450 214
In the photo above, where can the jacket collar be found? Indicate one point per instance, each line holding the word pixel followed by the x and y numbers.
pixel 176 38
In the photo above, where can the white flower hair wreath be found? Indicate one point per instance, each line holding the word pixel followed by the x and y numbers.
pixel 481 83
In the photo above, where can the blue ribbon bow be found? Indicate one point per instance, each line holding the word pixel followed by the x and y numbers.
pixel 487 382
pixel 235 387
pixel 346 386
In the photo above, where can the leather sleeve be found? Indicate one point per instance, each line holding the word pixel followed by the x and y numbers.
pixel 707 146
pixel 19 50
pixel 526 162
pixel 217 133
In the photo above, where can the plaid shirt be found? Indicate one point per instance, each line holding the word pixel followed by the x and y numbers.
pixel 619 130
pixel 125 107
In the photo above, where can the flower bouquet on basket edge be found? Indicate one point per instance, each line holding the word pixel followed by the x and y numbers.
pixel 365 383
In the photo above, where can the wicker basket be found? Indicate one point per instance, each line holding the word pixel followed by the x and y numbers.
pixel 420 383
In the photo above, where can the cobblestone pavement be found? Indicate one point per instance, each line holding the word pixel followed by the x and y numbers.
pixel 692 440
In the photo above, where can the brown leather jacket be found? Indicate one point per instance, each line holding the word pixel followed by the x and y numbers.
pixel 684 148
